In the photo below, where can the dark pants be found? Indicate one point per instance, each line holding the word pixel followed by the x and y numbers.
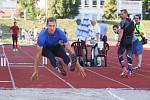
pixel 121 50
pixel 55 51
pixel 15 41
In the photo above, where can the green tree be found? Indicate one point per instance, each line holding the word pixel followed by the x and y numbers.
pixel 29 7
pixel 63 8
pixel 70 8
pixel 110 9
pixel 51 7
pixel 55 8
pixel 146 9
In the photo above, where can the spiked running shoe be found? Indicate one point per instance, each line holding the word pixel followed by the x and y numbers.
pixel 61 69
pixel 124 73
pixel 137 68
pixel 129 73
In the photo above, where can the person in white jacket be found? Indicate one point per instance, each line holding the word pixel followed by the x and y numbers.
pixel 95 31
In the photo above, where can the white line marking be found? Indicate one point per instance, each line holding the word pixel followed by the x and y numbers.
pixel 112 94
pixel 110 79
pixel 5 81
pixel 54 73
pixel 20 63
pixel 24 66
pixel 11 77
pixel 60 78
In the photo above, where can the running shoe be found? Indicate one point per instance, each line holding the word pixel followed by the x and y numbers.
pixel 14 50
pixel 129 73
pixel 61 69
pixel 124 73
pixel 137 68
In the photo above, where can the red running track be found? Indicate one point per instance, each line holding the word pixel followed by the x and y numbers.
pixel 17 74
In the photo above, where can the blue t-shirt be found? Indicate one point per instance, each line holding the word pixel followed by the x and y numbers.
pixel 46 39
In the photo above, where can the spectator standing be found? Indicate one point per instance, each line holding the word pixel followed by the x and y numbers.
pixel 83 28
pixel 83 32
pixel 103 31
pixel 125 43
pixel 137 43
pixel 15 32
pixel 116 31
pixel 95 30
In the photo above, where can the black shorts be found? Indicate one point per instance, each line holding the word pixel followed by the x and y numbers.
pixel 14 36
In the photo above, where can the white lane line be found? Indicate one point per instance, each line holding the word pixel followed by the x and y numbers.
pixel 11 77
pixel 5 81
pixel 25 66
pixel 20 63
pixel 60 78
pixel 69 84
pixel 110 79
pixel 114 95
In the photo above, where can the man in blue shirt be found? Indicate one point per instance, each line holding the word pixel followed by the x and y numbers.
pixel 50 43
pixel 103 31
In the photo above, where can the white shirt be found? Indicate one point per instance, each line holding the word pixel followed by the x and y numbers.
pixel 95 30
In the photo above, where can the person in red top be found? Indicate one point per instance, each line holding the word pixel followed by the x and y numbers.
pixel 15 31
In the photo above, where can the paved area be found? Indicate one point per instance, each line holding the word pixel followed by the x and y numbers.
pixel 74 94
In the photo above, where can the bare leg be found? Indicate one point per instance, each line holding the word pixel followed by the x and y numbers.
pixel 139 59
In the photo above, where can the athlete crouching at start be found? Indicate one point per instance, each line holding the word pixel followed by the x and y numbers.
pixel 49 44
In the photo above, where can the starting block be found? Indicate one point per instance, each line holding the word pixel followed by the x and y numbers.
pixel 3 61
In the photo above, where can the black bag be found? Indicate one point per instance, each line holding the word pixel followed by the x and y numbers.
pixel 144 40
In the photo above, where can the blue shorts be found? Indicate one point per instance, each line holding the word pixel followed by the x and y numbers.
pixel 138 48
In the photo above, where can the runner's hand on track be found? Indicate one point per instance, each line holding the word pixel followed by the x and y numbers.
pixel 35 76
pixel 82 72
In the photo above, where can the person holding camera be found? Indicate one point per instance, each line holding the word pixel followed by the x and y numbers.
pixel 137 41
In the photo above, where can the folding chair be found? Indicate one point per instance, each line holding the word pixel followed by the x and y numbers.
pixel 101 52
pixel 79 48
